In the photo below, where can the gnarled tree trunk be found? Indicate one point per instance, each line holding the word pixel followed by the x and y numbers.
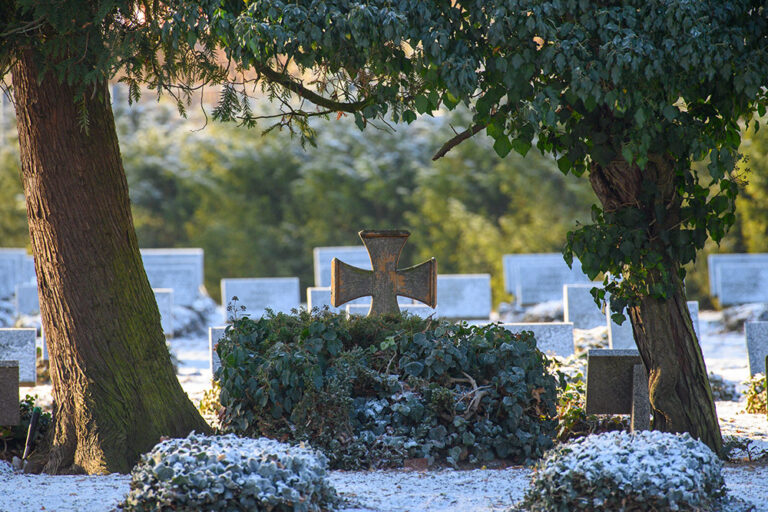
pixel 114 387
pixel 681 397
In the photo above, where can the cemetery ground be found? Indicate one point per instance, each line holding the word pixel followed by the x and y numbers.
pixel 417 488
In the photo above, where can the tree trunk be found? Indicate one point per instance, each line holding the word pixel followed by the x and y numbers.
pixel 114 387
pixel 681 397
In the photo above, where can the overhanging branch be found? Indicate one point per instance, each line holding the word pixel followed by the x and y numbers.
pixel 317 99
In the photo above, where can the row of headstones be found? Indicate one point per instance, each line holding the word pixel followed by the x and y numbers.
pixel 178 269
pixel 459 296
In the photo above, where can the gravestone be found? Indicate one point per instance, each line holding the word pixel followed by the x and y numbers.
pixel 28 270
pixel 280 294
pixel 739 267
pixel 464 296
pixel 536 278
pixel 19 345
pixel 617 383
pixel 354 255
pixel 742 283
pixel 214 335
pixel 622 337
pixel 9 393
pixel 757 345
pixel 320 296
pixel 552 338
pixel 420 310
pixel 26 300
pixel 693 309
pixel 11 270
pixel 178 269
pixel 385 282
pixel 164 299
pixel 579 307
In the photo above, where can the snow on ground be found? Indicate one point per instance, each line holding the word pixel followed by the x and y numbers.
pixel 411 491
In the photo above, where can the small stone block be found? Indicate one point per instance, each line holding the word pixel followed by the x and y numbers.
pixel 757 345
pixel 537 278
pixel 579 306
pixel 620 337
pixel 214 335
pixel 464 296
pixel 164 299
pixel 355 255
pixel 553 338
pixel 641 402
pixel 178 269
pixel 26 300
pixel 9 393
pixel 610 380
pixel 280 294
pixel 19 345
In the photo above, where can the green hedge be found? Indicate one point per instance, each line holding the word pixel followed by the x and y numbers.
pixel 373 392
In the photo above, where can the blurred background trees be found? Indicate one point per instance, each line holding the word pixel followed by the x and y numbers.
pixel 258 203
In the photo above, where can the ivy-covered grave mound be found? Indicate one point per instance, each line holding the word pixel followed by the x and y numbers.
pixel 618 471
pixel 229 473
pixel 375 392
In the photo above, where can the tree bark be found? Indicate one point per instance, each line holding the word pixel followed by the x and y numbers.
pixel 681 397
pixel 114 387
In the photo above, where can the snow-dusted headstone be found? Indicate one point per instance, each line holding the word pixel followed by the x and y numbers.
pixel 742 283
pixel 178 269
pixel 214 335
pixel 421 310
pixel 9 393
pixel 28 270
pixel 320 296
pixel 738 265
pixel 579 307
pixel 164 299
pixel 19 345
pixel 622 337
pixel 26 300
pixel 464 296
pixel 553 338
pixel 757 345
pixel 617 383
pixel 280 294
pixel 535 278
pixel 693 309
pixel 355 255
pixel 11 270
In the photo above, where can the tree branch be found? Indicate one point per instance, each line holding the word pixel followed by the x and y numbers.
pixel 317 99
pixel 458 139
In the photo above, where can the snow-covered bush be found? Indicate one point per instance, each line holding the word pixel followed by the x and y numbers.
pixel 617 471
pixel 229 473
pixel 722 390
pixel 757 395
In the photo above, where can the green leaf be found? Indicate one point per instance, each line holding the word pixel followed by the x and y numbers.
pixel 422 104
pixel 502 146
pixel 564 164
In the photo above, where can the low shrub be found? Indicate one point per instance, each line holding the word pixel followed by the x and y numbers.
pixel 572 418
pixel 229 473
pixel 756 394
pixel 722 390
pixel 373 392
pixel 14 437
pixel 617 471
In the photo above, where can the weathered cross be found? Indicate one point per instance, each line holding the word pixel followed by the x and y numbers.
pixel 385 282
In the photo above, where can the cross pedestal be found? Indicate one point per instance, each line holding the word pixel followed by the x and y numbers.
pixel 385 282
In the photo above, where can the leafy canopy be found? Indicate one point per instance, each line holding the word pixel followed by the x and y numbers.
pixel 592 83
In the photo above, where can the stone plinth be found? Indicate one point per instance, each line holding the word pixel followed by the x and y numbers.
pixel 554 338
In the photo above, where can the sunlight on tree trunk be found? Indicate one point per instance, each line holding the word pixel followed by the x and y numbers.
pixel 114 387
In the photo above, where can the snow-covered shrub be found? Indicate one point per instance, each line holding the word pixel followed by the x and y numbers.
pixel 757 397
pixel 229 473
pixel 374 391
pixel 617 471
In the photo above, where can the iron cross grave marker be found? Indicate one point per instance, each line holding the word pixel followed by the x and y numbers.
pixel 385 282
